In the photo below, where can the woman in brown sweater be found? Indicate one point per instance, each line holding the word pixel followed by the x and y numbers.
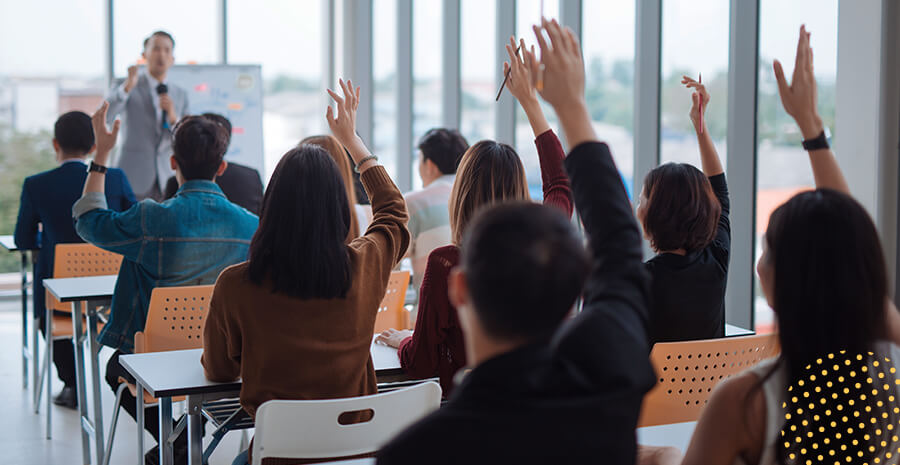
pixel 296 320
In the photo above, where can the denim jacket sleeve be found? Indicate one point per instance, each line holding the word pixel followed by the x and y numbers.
pixel 119 232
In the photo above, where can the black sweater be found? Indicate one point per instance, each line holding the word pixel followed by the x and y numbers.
pixel 687 297
pixel 576 398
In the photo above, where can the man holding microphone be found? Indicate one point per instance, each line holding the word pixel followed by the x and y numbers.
pixel 149 107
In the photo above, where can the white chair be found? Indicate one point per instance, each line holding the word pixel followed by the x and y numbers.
pixel 309 429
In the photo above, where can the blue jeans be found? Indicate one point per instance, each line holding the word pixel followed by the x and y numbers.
pixel 241 459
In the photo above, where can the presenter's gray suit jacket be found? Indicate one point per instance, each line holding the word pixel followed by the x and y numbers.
pixel 146 147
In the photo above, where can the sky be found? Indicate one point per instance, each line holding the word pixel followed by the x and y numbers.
pixel 286 35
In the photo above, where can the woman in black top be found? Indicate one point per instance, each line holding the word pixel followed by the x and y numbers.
pixel 685 217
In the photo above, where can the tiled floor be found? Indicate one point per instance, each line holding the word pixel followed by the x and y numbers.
pixel 22 433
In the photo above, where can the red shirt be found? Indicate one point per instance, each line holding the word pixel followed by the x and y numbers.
pixel 436 348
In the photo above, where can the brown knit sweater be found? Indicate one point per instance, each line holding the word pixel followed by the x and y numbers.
pixel 288 348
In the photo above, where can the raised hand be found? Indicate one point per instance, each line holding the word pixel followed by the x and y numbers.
pixel 521 67
pixel 132 78
pixel 104 138
pixel 561 81
pixel 343 123
pixel 800 96
pixel 699 95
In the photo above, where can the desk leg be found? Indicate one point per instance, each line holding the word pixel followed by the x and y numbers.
pixel 80 380
pixel 95 380
pixel 35 356
pixel 140 422
pixel 24 319
pixel 166 452
pixel 48 318
pixel 195 433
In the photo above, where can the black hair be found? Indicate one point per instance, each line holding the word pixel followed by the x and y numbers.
pixel 74 133
pixel 299 248
pixel 524 267
pixel 160 34
pixel 682 210
pixel 224 122
pixel 444 147
pixel 199 146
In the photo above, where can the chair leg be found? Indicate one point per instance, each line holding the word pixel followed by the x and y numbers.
pixel 39 387
pixel 115 421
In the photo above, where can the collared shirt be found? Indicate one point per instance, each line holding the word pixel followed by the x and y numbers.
pixel 74 160
pixel 187 240
pixel 429 222
pixel 154 96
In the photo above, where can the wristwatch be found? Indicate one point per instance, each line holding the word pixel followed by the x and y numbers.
pixel 96 168
pixel 816 143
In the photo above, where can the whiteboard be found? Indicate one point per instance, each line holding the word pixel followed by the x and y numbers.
pixel 235 92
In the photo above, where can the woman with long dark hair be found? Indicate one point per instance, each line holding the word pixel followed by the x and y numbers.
pixel 489 173
pixel 296 320
pixel 339 154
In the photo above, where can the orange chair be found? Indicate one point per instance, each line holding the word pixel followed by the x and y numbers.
pixel 391 313
pixel 174 322
pixel 688 371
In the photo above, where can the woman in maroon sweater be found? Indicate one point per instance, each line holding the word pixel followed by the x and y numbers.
pixel 489 173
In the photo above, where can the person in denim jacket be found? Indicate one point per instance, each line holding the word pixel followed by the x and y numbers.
pixel 186 240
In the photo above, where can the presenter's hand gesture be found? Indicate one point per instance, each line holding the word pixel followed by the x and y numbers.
pixel 132 78
pixel 799 97
pixel 342 119
pixel 166 103
pixel 104 139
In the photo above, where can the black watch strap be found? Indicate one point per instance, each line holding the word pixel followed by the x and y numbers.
pixel 816 143
pixel 97 168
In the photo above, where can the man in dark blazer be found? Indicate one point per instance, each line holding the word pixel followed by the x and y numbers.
pixel 241 184
pixel 45 219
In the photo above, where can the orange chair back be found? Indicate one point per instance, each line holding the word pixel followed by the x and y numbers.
pixel 688 371
pixel 79 260
pixel 391 313
pixel 174 319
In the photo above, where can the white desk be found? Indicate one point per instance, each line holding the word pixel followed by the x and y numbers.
pixel 179 373
pixel 676 435
pixel 9 243
pixel 732 331
pixel 87 294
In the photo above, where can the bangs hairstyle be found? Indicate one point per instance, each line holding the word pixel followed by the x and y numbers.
pixel 342 160
pixel 524 266
pixel 682 211
pixel 489 173
pixel 299 248
pixel 199 145
pixel 830 277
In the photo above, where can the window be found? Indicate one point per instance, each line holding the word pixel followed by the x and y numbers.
pixel 273 33
pixel 478 69
pixel 528 13
pixel 694 43
pixel 427 83
pixel 608 49
pixel 384 66
pixel 782 165
pixel 194 25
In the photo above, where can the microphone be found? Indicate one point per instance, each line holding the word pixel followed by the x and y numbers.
pixel 163 89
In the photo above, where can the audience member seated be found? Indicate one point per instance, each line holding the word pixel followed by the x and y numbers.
pixel 685 217
pixel 296 321
pixel 489 173
pixel 240 184
pixel 542 391
pixel 823 272
pixel 187 240
pixel 45 219
pixel 360 215
pixel 440 151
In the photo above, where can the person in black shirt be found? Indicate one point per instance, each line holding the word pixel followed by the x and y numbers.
pixel 685 217
pixel 543 390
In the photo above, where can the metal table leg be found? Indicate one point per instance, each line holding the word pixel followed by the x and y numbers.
pixel 24 265
pixel 95 379
pixel 195 431
pixel 80 380
pixel 140 422
pixel 48 319
pixel 166 451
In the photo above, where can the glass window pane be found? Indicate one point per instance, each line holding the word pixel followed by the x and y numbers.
pixel 694 42
pixel 384 65
pixel 608 48
pixel 427 82
pixel 193 25
pixel 478 69
pixel 782 165
pixel 293 98
pixel 528 13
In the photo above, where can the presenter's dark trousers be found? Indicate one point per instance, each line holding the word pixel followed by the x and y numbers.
pixel 63 356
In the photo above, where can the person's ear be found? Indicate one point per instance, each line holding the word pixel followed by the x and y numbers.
pixel 56 147
pixel 91 150
pixel 432 168
pixel 457 288
pixel 173 163
pixel 222 167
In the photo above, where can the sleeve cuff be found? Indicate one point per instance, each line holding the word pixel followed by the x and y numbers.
pixel 120 91
pixel 548 134
pixel 88 202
